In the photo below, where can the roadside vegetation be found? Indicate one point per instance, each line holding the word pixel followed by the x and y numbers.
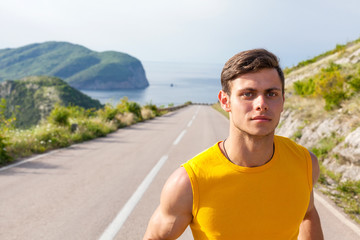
pixel 333 84
pixel 338 49
pixel 345 194
pixel 218 108
pixel 332 92
pixel 67 125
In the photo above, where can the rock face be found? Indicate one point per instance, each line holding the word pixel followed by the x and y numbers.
pixel 77 65
pixel 334 135
pixel 32 98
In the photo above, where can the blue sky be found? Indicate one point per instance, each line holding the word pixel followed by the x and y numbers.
pixel 209 31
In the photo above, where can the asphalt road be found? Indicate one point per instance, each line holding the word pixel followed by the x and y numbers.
pixel 111 186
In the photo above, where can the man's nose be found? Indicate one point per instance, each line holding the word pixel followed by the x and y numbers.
pixel 261 104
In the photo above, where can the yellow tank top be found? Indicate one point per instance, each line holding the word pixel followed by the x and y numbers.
pixel 267 202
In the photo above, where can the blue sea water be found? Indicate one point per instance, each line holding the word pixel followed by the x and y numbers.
pixel 170 83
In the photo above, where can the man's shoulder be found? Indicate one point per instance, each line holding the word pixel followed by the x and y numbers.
pixel 287 145
pixel 203 159
pixel 286 141
pixel 210 152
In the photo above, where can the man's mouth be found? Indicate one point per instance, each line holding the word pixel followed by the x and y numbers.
pixel 261 118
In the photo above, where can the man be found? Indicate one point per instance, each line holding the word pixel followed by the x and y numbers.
pixel 253 185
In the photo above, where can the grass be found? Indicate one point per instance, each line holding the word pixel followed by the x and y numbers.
pixel 325 145
pixel 218 108
pixel 69 125
pixel 345 194
pixel 338 49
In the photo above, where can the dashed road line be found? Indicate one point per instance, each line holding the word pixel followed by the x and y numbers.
pixel 126 210
pixel 178 139
pixel 124 213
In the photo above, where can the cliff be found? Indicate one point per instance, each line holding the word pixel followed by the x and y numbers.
pixel 32 98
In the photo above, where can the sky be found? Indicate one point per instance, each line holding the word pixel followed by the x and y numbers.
pixel 198 31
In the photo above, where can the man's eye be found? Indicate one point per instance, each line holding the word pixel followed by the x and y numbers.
pixel 247 94
pixel 272 94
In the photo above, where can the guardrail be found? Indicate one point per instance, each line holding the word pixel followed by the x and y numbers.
pixel 169 109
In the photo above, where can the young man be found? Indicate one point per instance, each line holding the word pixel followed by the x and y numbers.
pixel 253 185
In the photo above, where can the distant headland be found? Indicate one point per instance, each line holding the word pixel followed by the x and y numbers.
pixel 80 67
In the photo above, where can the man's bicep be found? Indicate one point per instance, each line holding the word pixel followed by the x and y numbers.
pixel 174 213
pixel 315 168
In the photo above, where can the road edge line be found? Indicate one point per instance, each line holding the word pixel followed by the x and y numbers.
pixel 337 214
pixel 27 160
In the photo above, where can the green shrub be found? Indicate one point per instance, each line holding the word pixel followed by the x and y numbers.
pixel 351 187
pixel 355 84
pixel 58 137
pixel 325 145
pixel 153 108
pixel 5 125
pixel 95 129
pixel 329 84
pixel 298 134
pixel 4 156
pixel 334 99
pixel 59 115
pixel 304 88
pixel 135 108
pixel 80 112
pixel 108 112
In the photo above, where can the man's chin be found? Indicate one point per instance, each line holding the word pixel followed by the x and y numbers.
pixel 259 133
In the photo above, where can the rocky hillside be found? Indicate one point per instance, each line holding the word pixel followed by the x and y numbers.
pixel 77 65
pixel 32 98
pixel 322 108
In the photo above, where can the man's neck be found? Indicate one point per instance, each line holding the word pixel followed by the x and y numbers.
pixel 249 151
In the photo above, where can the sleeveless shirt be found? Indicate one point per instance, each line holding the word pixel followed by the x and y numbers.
pixel 266 202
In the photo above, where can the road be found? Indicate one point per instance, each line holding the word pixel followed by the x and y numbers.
pixel 80 192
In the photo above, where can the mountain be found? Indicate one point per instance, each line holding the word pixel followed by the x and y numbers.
pixel 322 108
pixel 77 65
pixel 32 98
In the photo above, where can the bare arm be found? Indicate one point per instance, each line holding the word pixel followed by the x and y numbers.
pixel 310 228
pixel 174 213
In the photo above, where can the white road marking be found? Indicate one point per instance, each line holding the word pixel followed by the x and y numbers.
pixel 189 124
pixel 193 118
pixel 178 139
pixel 126 210
pixel 124 213
pixel 337 214
pixel 28 160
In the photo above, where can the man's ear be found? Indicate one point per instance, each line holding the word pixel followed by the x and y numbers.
pixel 224 100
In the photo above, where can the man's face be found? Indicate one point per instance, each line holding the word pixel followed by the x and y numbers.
pixel 255 103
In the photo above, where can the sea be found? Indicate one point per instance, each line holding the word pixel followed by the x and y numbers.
pixel 170 84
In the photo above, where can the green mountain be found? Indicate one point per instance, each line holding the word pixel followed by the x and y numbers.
pixel 32 98
pixel 77 65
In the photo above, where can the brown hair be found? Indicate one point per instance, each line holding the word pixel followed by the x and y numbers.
pixel 247 62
